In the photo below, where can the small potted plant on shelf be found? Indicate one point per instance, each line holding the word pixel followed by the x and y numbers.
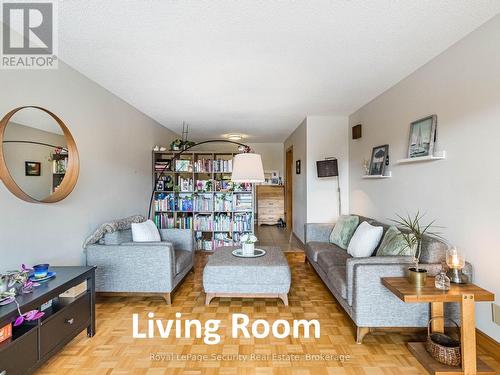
pixel 18 283
pixel 248 241
pixel 413 232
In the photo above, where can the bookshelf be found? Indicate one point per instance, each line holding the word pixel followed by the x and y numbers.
pixel 197 193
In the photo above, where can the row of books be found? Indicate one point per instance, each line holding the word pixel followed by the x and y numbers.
pixel 203 165
pixel 163 221
pixel 204 223
pixel 223 166
pixel 204 202
pixel 223 202
pixel 243 202
pixel 223 222
pixel 242 222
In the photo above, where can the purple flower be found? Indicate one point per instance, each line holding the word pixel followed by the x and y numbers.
pixel 19 321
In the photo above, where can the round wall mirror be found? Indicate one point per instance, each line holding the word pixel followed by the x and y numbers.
pixel 38 155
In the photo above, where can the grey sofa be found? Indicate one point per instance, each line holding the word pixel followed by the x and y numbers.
pixel 356 282
pixel 147 267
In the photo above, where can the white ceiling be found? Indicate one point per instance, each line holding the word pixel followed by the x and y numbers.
pixel 257 67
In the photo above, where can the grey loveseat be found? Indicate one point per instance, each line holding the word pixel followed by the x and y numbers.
pixel 124 266
pixel 356 284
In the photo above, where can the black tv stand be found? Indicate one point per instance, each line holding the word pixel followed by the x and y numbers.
pixel 33 343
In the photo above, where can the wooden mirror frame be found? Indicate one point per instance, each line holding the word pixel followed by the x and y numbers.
pixel 72 170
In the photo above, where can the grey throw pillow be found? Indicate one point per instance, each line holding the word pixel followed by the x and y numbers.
pixel 393 244
pixel 343 230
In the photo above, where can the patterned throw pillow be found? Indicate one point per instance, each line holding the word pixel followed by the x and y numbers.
pixel 393 244
pixel 343 230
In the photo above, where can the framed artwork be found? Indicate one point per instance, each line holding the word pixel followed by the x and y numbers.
pixel 297 167
pixel 378 160
pixel 422 137
pixel 32 168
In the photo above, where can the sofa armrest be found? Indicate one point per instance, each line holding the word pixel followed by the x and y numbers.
pixel 144 267
pixel 352 262
pixel 374 305
pixel 182 239
pixel 318 231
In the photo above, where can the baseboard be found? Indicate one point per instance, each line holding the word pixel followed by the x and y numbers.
pixel 488 344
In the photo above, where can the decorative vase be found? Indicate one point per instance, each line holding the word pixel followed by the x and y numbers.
pixel 417 277
pixel 248 248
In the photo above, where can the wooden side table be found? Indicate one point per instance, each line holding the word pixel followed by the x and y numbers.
pixel 466 295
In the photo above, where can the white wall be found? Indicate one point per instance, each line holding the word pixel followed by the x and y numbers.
pixel 326 137
pixel 461 86
pixel 298 140
pixel 115 142
pixel 272 155
pixel 315 199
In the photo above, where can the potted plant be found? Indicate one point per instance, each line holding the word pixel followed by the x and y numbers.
pixel 412 234
pixel 248 241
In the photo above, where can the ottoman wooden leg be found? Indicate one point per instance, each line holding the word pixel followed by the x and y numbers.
pixel 284 298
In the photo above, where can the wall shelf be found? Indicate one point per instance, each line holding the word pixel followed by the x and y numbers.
pixel 437 156
pixel 377 176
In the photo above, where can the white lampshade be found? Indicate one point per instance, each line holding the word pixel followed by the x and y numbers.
pixel 247 167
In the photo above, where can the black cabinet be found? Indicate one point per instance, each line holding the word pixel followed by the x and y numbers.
pixel 33 343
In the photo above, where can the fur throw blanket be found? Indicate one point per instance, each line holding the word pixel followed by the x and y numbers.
pixel 112 226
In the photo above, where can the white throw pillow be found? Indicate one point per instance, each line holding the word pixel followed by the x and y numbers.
pixel 145 232
pixel 365 240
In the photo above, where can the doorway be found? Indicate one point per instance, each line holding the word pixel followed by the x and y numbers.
pixel 289 188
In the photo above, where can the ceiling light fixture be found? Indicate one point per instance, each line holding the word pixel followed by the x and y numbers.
pixel 234 137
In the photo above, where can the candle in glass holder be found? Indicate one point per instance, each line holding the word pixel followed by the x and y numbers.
pixel 456 261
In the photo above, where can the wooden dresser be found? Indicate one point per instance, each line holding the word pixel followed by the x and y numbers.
pixel 270 204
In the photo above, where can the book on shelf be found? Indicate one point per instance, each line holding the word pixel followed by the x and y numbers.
pixel 185 202
pixel 203 202
pixel 222 222
pixel 183 166
pixel 223 185
pixel 165 202
pixel 185 184
pixel 164 221
pixel 223 202
pixel 163 165
pixel 243 222
pixel 203 223
pixel 185 222
pixel 223 166
pixel 203 166
pixel 243 202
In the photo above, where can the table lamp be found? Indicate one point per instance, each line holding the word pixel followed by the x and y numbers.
pixel 456 261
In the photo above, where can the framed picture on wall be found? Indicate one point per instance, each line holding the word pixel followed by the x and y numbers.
pixel 378 160
pixel 32 168
pixel 422 137
pixel 297 167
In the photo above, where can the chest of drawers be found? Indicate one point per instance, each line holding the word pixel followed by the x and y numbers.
pixel 270 204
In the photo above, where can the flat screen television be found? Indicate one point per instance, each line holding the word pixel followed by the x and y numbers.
pixel 327 168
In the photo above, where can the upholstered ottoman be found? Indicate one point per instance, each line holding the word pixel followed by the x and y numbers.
pixel 267 276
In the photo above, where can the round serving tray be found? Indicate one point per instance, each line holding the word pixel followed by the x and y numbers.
pixel 256 253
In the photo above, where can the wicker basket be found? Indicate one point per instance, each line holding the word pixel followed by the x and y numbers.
pixel 443 348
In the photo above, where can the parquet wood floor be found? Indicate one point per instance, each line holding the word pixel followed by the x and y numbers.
pixel 114 351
